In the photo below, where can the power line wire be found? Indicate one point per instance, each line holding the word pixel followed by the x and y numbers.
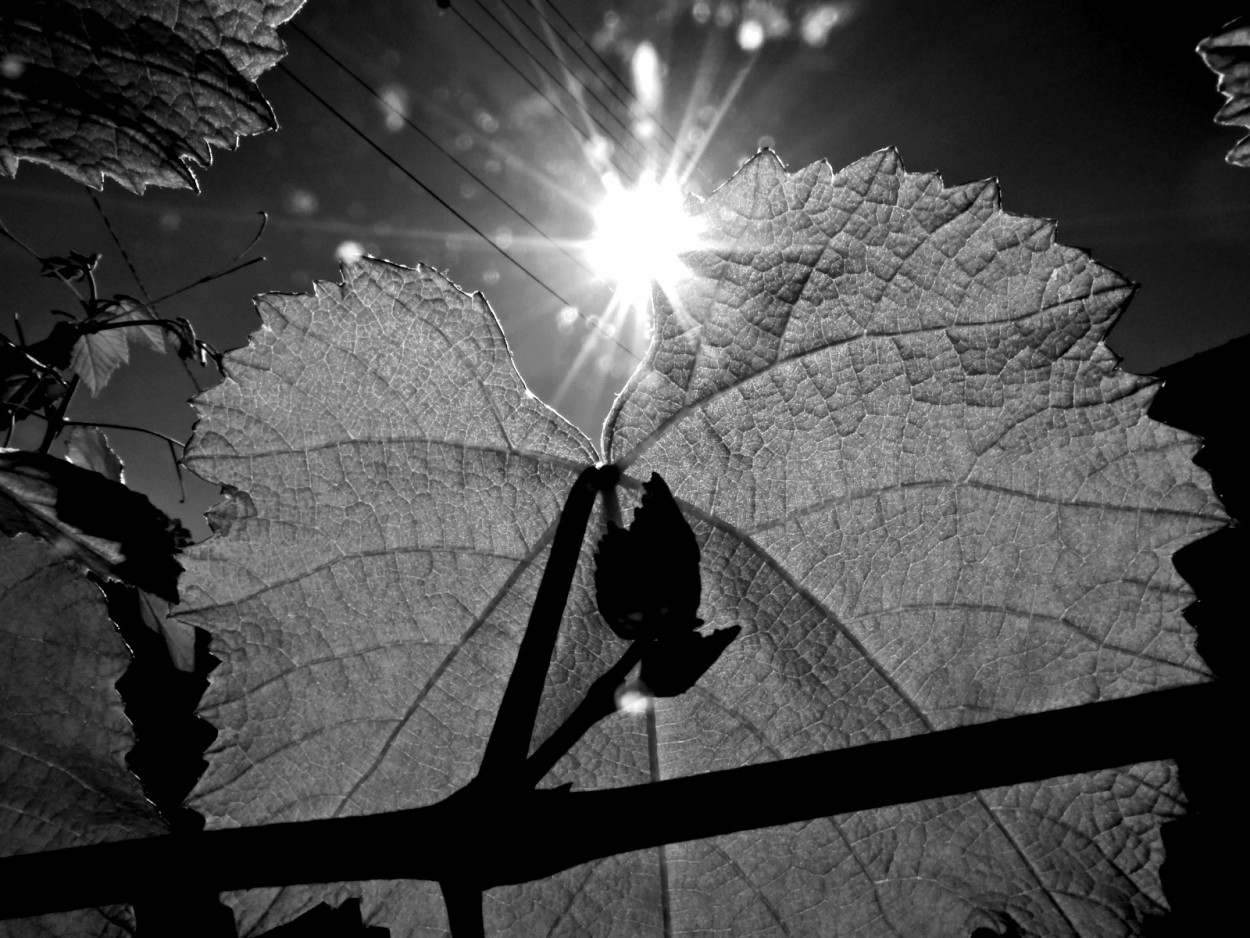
pixel 581 58
pixel 449 207
pixel 443 150
pixel 143 290
pixel 572 123
pixel 582 39
pixel 607 109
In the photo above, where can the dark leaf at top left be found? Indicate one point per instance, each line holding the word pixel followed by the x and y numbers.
pixel 138 90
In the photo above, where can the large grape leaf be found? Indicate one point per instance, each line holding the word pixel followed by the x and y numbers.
pixel 918 481
pixel 138 90
pixel 63 734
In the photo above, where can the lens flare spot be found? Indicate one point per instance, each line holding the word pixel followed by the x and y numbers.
pixel 819 20
pixel 645 69
pixel 750 35
pixel 394 103
pixel 12 67
pixel 349 251
pixel 629 699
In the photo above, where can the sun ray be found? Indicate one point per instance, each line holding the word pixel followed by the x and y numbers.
pixel 721 110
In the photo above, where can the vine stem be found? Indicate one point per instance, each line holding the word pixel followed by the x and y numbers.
pixel 536 834
pixel 502 770
pixel 56 422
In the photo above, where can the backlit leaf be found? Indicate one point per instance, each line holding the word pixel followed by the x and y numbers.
pixel 88 448
pixel 63 735
pixel 918 483
pixel 138 90
pixel 97 355
pixel 387 529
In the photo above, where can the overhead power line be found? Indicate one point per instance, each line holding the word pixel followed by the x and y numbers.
pixel 584 134
pixel 604 106
pixel 449 207
pixel 443 150
pixel 616 79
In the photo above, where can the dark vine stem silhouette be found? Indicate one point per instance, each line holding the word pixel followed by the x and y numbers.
pixel 501 830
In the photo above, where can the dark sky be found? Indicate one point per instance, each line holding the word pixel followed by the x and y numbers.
pixel 1098 115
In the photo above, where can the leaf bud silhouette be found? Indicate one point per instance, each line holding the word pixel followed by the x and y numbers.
pixel 672 665
pixel 647 576
pixel 647 585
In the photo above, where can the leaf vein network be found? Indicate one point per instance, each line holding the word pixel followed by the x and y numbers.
pixel 801 591
pixel 432 681
pixel 357 555
pixel 680 413
pixel 945 485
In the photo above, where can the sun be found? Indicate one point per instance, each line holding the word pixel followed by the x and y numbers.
pixel 641 233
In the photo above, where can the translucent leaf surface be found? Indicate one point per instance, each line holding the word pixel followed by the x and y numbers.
pixel 148 334
pixel 919 485
pixel 63 735
pixel 137 90
pixel 97 355
pixel 1227 53
pixel 389 518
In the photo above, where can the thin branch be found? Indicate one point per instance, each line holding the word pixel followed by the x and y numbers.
pixel 260 233
pixel 535 834
pixel 117 242
pixel 56 422
pixel 122 426
pixel 4 230
pixel 169 441
pixel 599 703
pixel 206 279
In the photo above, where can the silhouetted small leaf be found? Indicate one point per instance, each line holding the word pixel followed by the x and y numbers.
pixel 73 267
pixel 673 664
pixel 647 576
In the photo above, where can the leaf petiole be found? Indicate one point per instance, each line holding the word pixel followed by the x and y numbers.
pixel 510 736
pixel 599 702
